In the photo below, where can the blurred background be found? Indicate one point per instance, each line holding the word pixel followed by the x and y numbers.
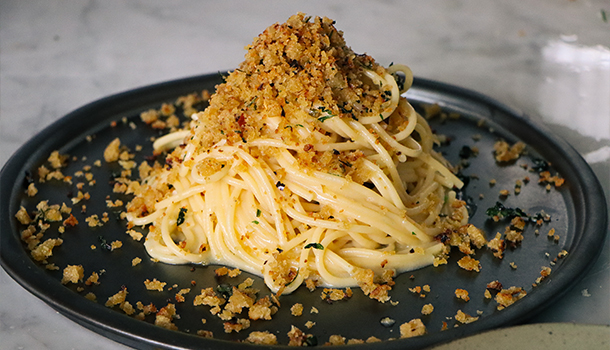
pixel 549 59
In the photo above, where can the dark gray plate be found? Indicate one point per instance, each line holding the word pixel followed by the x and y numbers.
pixel 577 209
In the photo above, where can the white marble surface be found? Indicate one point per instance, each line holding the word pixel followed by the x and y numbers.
pixel 548 58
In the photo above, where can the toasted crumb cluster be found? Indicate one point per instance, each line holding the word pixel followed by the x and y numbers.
pixel 505 152
pixel 465 318
pixel 507 297
pixel 154 285
pixel 413 328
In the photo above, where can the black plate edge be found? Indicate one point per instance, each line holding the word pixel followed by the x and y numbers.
pixel 579 263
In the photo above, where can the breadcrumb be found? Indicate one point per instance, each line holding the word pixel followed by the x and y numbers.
pixel 412 328
pixel 154 285
pixel 73 274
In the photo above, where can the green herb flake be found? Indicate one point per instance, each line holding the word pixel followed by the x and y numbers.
pixel 224 290
pixel 346 163
pixel 314 246
pixel 255 222
pixel 500 211
pixel 104 244
pixel 311 340
pixel 322 119
pixel 258 213
pixel 181 215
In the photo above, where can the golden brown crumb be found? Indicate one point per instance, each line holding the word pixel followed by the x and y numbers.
pixel 507 297
pixel 469 264
pixel 497 246
pixel 296 309
pixel 93 221
pixel 45 249
pixel 296 337
pixel 135 261
pixel 465 318
pixel 91 296
pixel 154 285
pixel 487 294
pixel 262 309
pixel 165 316
pixel 117 298
pixel 93 279
pixel 265 338
pixel 506 153
pixel 544 273
pixel 57 160
pixel 333 294
pixel 462 294
pixel 309 324
pixel 427 309
pixel 22 216
pixel 127 308
pixel 412 328
pixel 336 339
pixel 73 274
pixel 51 267
pixel 111 153
pixel 205 333
pixel 236 326
pixel 32 190
pixel 116 245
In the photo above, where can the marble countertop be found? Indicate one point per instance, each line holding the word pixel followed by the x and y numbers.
pixel 549 59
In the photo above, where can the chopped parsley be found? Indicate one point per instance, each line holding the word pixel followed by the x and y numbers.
pixel 540 165
pixel 314 246
pixel 500 211
pixel 181 215
pixel 258 213
pixel 255 222
pixel 104 244
pixel 224 290
pixel 323 118
pixel 311 340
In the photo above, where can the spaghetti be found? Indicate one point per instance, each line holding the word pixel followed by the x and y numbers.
pixel 308 166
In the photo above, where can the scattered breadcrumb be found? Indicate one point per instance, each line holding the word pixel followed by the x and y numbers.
pixel 507 297
pixel 506 153
pixel 427 309
pixel 93 279
pixel 296 309
pixel 412 328
pixel 469 264
pixel 462 294
pixel 465 318
pixel 165 316
pixel 262 338
pixel 73 274
pixel 154 284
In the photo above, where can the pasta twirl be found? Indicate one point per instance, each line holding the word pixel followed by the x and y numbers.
pixel 308 164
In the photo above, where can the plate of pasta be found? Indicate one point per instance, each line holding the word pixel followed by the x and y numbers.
pixel 310 196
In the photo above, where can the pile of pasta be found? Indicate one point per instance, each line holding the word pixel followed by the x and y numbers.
pixel 308 166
